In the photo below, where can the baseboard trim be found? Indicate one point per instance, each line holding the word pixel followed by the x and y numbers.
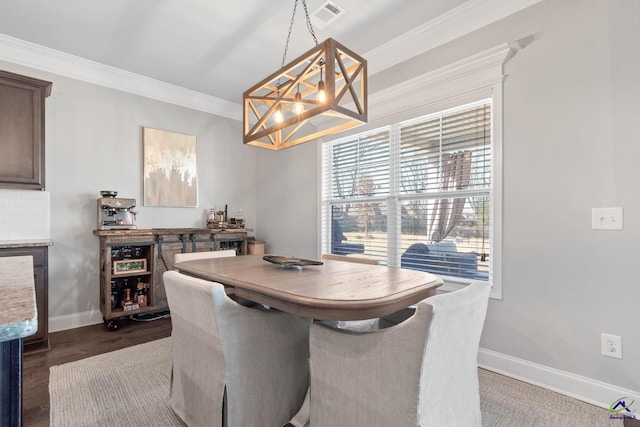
pixel 76 320
pixel 578 387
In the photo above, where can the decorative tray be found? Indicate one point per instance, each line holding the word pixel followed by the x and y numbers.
pixel 287 261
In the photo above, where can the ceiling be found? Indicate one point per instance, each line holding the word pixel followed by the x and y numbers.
pixel 216 47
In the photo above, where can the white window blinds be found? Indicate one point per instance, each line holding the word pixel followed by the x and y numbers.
pixel 415 194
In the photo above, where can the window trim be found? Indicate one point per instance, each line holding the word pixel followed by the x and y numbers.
pixel 471 79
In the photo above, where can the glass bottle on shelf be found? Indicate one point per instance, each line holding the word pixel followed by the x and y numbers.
pixel 240 219
pixel 116 253
pixel 141 293
pixel 125 290
pixel 114 295
pixel 211 219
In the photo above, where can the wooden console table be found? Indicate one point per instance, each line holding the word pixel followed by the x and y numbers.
pixel 136 259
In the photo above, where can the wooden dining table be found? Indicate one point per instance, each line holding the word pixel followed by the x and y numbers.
pixel 335 290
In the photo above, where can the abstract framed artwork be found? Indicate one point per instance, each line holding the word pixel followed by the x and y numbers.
pixel 169 168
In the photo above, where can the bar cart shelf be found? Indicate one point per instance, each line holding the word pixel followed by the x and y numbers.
pixel 132 263
pixel 126 277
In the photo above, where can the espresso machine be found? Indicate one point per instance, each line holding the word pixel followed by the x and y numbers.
pixel 116 213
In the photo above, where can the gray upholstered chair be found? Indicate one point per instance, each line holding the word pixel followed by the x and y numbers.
pixel 233 366
pixel 420 372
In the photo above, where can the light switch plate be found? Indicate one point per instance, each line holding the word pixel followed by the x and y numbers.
pixel 606 219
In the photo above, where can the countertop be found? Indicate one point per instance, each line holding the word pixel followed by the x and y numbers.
pixel 29 243
pixel 18 317
pixel 163 231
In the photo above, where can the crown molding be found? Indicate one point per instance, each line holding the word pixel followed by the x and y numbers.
pixel 480 70
pixel 457 22
pixel 39 57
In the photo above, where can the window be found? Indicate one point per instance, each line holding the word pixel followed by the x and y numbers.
pixel 429 180
pixel 416 194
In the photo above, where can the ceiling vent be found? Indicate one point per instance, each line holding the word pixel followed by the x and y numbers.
pixel 326 14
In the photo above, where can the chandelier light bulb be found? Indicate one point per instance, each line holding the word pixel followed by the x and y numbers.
pixel 278 116
pixel 322 95
pixel 298 108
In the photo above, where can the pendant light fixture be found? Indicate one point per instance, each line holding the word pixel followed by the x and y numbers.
pixel 323 91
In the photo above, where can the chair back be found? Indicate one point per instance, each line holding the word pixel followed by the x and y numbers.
pixel 449 388
pixel 196 391
pixel 248 364
pixel 422 371
pixel 188 256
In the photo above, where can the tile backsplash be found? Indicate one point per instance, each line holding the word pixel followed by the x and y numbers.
pixel 24 215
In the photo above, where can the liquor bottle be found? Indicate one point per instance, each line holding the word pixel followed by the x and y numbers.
pixel 211 219
pixel 240 219
pixel 114 295
pixel 126 290
pixel 127 252
pixel 141 294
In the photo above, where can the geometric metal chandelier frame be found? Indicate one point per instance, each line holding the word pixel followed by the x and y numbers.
pixel 323 91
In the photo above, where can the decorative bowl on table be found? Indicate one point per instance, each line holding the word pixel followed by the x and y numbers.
pixel 290 262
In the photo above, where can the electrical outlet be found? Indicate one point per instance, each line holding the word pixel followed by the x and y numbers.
pixel 606 219
pixel 611 345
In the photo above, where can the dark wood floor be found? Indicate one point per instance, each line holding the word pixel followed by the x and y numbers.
pixel 74 344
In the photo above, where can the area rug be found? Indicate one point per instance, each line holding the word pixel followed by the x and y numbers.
pixel 506 402
pixel 130 387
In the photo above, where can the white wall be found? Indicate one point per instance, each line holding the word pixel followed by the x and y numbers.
pixel 93 143
pixel 288 207
pixel 571 111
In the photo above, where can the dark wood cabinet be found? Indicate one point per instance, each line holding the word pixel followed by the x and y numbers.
pixel 22 105
pixel 40 254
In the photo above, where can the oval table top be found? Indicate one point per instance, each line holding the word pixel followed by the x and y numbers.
pixel 336 290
